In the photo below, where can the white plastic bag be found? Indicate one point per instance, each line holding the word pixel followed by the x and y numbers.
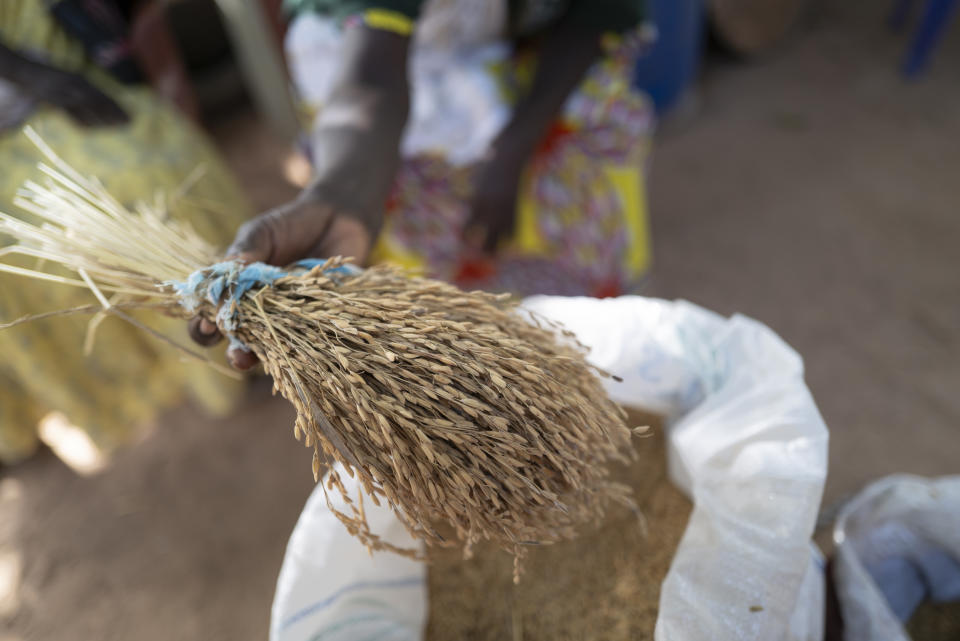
pixel 746 442
pixel 898 543
pixel 331 588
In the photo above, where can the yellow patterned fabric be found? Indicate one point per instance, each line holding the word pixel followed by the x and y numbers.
pixel 386 20
pixel 581 224
pixel 129 376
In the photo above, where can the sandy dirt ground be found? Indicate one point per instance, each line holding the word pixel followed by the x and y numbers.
pixel 814 191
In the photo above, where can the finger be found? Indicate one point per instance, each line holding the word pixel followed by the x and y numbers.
pixel 203 331
pixel 346 237
pixel 109 111
pixel 293 230
pixel 482 237
pixel 94 117
pixel 111 114
pixel 494 233
pixel 81 115
pixel 253 242
pixel 98 117
pixel 86 111
pixel 241 359
pixel 120 115
pixel 474 235
pixel 484 230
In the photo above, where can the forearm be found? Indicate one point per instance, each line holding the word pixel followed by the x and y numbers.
pixel 566 55
pixel 357 138
pixel 356 150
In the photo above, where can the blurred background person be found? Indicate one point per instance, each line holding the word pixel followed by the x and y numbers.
pixel 498 145
pixel 75 72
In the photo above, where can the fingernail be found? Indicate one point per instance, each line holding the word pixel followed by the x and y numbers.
pixel 206 327
pixel 241 359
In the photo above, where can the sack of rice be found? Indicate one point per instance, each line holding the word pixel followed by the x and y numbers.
pixel 447 405
pixel 605 584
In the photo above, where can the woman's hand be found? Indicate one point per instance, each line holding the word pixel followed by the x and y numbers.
pixel 357 140
pixel 494 202
pixel 304 228
pixel 74 94
pixel 566 55
pixel 58 88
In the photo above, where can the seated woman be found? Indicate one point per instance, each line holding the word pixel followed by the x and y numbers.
pixel 67 71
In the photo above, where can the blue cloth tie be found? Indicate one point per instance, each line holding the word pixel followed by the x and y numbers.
pixel 225 283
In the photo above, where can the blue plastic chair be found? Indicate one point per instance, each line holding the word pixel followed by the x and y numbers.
pixel 668 69
pixel 936 17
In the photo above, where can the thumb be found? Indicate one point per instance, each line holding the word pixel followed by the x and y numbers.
pixel 253 242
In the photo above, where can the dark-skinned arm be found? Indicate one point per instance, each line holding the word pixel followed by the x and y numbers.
pixel 567 53
pixel 357 149
pixel 69 91
pixel 356 142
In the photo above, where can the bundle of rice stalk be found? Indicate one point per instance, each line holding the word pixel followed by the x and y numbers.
pixel 450 406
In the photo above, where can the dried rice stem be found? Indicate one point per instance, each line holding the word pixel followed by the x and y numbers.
pixel 448 406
